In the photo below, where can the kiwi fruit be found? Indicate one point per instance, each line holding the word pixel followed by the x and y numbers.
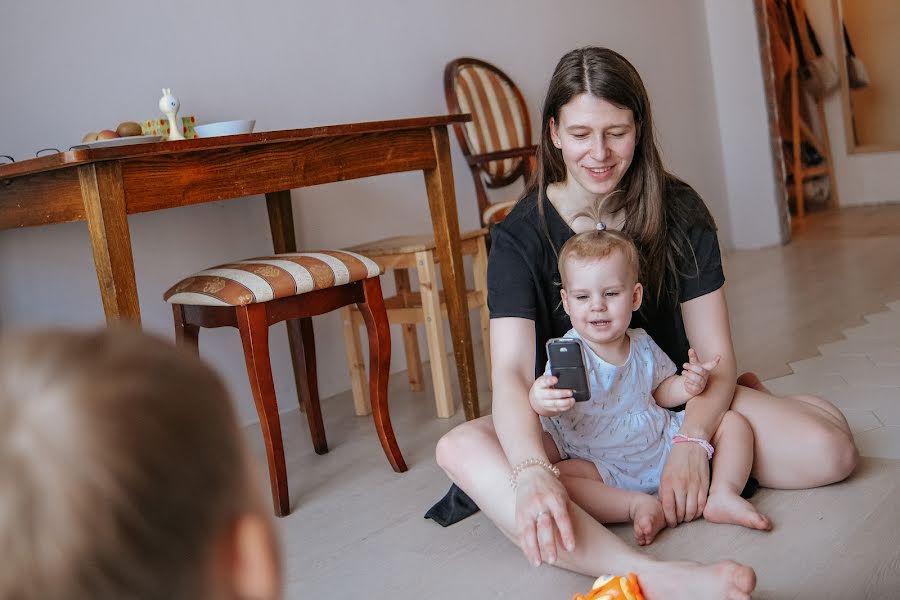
pixel 129 128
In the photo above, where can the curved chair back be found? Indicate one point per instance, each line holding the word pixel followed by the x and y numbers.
pixel 497 141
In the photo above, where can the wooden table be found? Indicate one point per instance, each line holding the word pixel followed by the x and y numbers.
pixel 104 185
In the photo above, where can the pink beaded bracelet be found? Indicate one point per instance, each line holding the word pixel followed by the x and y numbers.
pixel 678 437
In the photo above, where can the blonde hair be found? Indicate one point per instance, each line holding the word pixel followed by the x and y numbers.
pixel 597 245
pixel 121 464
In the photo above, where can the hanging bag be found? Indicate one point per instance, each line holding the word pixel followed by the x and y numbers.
pixel 818 76
pixel 857 77
pixel 825 71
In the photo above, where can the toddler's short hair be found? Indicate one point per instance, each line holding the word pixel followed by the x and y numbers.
pixel 596 245
pixel 121 465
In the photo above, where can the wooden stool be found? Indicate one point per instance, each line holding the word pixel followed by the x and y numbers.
pixel 410 307
pixel 256 293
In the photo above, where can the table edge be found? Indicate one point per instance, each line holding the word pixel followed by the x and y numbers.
pixel 82 156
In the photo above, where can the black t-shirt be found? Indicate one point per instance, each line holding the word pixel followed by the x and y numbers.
pixel 524 281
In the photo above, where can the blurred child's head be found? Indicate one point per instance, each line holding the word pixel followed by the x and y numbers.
pixel 123 475
pixel 600 288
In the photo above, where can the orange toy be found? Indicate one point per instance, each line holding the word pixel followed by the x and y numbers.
pixel 608 587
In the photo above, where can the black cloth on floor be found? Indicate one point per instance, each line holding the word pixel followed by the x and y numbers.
pixel 750 488
pixel 452 508
pixel 456 505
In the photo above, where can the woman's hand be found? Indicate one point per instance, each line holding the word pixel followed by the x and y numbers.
pixel 684 483
pixel 548 401
pixel 542 516
pixel 696 374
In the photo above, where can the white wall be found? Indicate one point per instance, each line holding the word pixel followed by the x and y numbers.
pixel 871 178
pixel 753 199
pixel 73 67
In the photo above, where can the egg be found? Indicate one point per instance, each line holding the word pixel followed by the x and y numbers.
pixel 107 134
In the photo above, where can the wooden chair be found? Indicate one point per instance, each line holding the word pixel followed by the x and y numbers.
pixel 254 294
pixel 407 307
pixel 496 145
pixel 497 141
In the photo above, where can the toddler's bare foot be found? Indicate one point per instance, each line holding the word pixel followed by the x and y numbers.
pixel 750 380
pixel 728 507
pixel 648 516
pixel 725 580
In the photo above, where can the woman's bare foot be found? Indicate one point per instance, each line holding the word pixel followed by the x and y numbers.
pixel 648 516
pixel 725 580
pixel 750 380
pixel 727 507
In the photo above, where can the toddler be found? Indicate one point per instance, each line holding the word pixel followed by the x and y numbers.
pixel 617 442
pixel 123 475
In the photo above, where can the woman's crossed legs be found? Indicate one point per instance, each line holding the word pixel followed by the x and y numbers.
pixel 473 458
pixel 799 441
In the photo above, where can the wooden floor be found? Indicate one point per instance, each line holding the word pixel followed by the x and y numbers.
pixel 357 528
pixel 787 300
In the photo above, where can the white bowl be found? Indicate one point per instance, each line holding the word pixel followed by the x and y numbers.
pixel 225 128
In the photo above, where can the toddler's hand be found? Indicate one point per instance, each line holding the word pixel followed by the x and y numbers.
pixel 696 374
pixel 548 401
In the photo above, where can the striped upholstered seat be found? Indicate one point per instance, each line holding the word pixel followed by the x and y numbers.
pixel 254 294
pixel 497 141
pixel 268 278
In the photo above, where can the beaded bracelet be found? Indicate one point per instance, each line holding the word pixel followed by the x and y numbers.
pixel 678 437
pixel 530 462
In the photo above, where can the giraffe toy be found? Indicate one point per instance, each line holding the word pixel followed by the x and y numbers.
pixel 169 105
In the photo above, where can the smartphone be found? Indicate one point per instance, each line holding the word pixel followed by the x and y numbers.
pixel 567 365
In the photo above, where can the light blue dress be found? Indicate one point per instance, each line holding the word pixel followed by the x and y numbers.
pixel 621 429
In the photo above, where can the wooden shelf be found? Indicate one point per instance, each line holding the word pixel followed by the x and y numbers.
pixel 801 131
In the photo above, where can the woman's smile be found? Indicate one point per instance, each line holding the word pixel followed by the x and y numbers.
pixel 600 173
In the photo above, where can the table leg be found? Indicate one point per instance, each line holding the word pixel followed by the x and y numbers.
pixel 442 202
pixel 281 222
pixel 105 212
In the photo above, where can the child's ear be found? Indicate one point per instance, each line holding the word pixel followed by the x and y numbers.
pixel 637 297
pixel 565 301
pixel 251 567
